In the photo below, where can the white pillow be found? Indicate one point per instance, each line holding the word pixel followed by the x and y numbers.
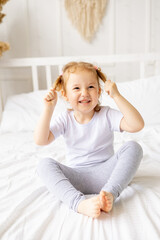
pixel 22 111
pixel 144 94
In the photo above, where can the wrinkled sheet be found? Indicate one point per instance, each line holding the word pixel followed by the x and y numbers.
pixel 29 212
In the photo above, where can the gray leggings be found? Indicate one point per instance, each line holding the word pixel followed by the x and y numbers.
pixel 70 185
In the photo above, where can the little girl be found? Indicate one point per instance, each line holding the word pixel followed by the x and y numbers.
pixel 93 167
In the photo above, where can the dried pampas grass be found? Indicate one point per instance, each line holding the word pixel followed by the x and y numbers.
pixel 3 47
pixel 2 2
pixel 2 15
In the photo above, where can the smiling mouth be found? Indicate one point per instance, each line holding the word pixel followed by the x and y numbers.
pixel 86 101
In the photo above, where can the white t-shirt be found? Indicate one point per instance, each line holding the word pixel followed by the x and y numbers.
pixel 90 143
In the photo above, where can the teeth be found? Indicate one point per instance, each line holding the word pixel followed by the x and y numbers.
pixel 84 101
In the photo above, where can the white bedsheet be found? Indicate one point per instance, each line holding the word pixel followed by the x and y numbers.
pixel 29 212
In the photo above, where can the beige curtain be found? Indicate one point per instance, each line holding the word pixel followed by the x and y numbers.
pixel 86 15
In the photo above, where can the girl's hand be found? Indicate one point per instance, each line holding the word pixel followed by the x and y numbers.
pixel 51 98
pixel 111 88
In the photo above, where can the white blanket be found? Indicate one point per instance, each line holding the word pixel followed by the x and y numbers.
pixel 29 212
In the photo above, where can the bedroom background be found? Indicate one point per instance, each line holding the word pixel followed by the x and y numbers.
pixel 37 31
pixel 42 29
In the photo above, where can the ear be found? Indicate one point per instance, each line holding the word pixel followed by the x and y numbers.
pixel 64 95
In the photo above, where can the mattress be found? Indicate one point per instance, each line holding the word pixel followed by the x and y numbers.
pixel 28 211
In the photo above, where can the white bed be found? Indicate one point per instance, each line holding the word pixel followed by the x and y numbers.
pixel 29 212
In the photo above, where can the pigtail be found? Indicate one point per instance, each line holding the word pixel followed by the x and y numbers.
pixel 58 84
pixel 101 75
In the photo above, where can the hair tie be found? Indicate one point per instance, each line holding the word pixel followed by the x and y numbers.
pixel 97 68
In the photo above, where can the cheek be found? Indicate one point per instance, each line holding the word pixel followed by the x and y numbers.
pixel 72 97
pixel 97 93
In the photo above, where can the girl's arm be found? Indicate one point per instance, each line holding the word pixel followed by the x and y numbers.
pixel 42 134
pixel 132 121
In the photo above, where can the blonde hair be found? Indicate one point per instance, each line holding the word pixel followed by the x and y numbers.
pixel 72 67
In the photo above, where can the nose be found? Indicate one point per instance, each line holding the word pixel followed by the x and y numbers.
pixel 84 92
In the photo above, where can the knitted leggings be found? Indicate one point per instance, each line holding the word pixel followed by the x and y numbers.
pixel 70 185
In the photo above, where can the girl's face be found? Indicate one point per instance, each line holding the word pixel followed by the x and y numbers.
pixel 82 91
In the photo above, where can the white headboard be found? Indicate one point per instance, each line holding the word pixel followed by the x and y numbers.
pixel 34 63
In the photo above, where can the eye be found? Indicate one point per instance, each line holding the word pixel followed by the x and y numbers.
pixel 91 86
pixel 76 88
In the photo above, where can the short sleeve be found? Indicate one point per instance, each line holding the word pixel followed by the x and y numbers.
pixel 58 125
pixel 114 118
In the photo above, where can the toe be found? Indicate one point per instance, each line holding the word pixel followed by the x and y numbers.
pixel 102 201
pixel 102 193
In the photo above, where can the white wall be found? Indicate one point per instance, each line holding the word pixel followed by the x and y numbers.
pixel 38 28
pixel 41 28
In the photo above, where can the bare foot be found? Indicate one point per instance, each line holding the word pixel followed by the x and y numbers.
pixel 106 201
pixel 90 207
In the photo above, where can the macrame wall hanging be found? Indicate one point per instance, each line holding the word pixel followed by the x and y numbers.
pixel 86 15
